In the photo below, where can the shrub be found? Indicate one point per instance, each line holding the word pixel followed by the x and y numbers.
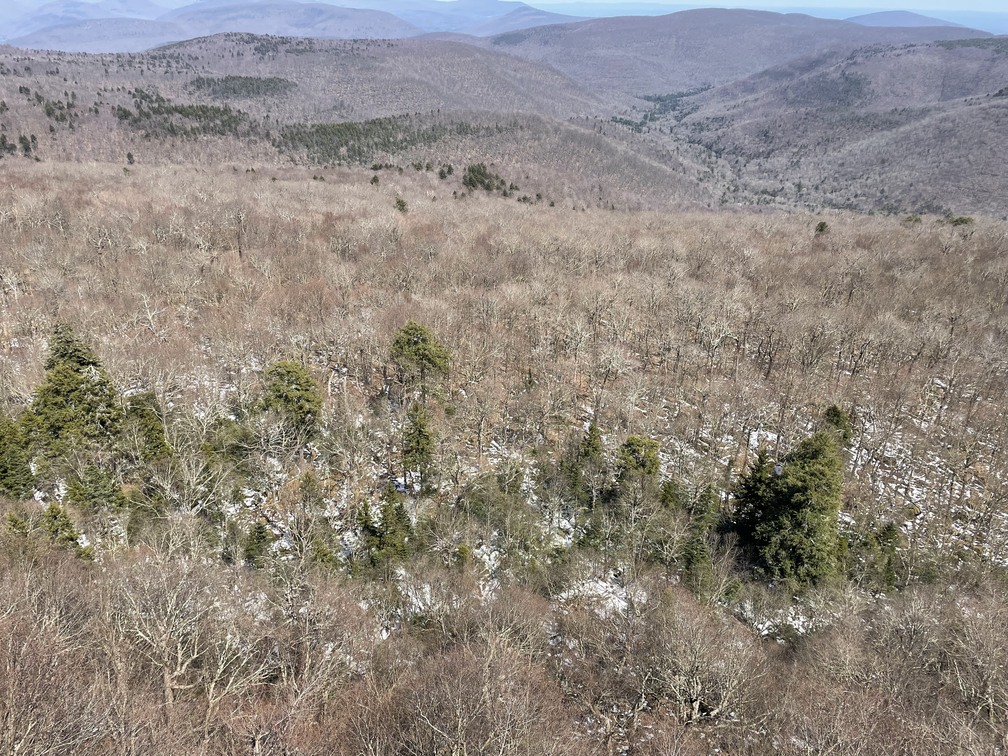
pixel 638 456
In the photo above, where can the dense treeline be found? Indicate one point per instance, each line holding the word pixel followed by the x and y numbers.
pixel 233 87
pixel 360 142
pixel 158 117
pixel 307 474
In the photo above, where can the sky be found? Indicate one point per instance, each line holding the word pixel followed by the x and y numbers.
pixel 989 6
pixel 829 8
pixel 919 6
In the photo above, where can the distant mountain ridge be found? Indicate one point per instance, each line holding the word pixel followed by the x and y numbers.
pixel 441 16
pixel 102 35
pixel 75 25
pixel 525 17
pixel 711 106
pixel 63 12
pixel 283 17
pixel 901 19
pixel 694 48
pixel 279 17
pixel 126 26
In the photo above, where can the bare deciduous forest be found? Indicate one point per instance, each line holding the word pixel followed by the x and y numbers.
pixel 217 561
pixel 421 432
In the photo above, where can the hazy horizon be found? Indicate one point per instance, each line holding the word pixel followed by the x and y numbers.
pixel 926 7
pixel 986 15
pixel 916 6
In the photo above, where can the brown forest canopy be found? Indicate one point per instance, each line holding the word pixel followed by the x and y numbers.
pixel 238 514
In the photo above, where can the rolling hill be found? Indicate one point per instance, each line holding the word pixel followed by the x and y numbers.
pixel 285 18
pixel 376 78
pixel 103 35
pixel 899 18
pixel 684 50
pixel 919 126
pixel 22 21
pixel 808 113
pixel 525 17
pixel 57 24
pixel 276 17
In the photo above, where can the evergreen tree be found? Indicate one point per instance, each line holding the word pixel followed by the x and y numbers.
pixel 418 356
pixel 836 418
pixel 704 515
pixel 16 479
pixel 385 538
pixel 292 393
pixel 754 494
pixel 76 406
pixel 257 545
pixel 698 559
pixel 633 501
pixel 92 489
pixel 59 528
pixel 786 515
pixel 418 445
pixel 591 447
pixel 583 467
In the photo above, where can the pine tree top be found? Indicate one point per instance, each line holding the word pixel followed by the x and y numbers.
pixel 65 348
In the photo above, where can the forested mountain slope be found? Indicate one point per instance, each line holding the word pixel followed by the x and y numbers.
pixel 295 462
pixel 915 126
pixel 575 391
pixel 908 128
pixel 695 48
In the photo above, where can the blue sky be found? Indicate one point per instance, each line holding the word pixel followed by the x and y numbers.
pixel 993 13
pixel 988 6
